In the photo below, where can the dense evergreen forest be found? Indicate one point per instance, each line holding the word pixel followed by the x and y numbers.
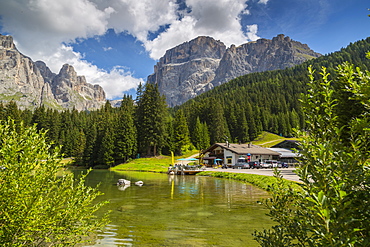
pixel 237 111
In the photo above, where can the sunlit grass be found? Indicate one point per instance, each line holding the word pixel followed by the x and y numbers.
pixel 153 164
pixel 267 139
pixel 261 181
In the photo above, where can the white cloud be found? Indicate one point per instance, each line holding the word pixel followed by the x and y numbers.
pixel 107 48
pixel 252 32
pixel 216 18
pixel 263 1
pixel 44 28
pixel 115 82
pixel 40 26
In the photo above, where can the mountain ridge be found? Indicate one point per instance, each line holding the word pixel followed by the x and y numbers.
pixel 196 66
pixel 31 84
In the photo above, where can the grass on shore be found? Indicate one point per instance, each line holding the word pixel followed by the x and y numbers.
pixel 263 182
pixel 153 164
pixel 161 163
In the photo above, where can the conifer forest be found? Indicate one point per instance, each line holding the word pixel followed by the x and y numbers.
pixel 236 111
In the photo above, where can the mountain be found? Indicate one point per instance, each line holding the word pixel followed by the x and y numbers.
pixel 199 65
pixel 266 101
pixel 31 84
pixel 188 69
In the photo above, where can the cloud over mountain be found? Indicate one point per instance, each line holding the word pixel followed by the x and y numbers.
pixel 45 29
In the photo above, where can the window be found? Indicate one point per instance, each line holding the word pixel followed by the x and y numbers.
pixel 229 159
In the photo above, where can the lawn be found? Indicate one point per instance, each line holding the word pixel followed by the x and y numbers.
pixel 153 164
pixel 267 139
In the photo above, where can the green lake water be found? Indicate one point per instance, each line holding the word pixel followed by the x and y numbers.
pixel 173 210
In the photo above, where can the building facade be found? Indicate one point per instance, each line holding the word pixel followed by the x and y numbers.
pixel 228 153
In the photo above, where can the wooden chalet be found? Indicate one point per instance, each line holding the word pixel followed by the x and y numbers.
pixel 228 153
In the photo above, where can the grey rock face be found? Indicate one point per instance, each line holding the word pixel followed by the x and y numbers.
pixel 199 65
pixel 31 84
pixel 71 90
pixel 20 79
pixel 188 69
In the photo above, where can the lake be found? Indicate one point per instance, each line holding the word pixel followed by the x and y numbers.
pixel 171 210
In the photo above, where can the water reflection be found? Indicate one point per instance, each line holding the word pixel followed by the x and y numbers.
pixel 171 210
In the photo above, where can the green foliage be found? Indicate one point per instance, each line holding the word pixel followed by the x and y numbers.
pixel 201 137
pixel 125 143
pixel 269 100
pixel 150 119
pixel 153 164
pixel 240 110
pixel 332 209
pixel 37 206
pixel 181 132
pixel 267 139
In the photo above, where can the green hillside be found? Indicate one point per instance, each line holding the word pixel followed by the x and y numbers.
pixel 240 111
pixel 268 101
pixel 267 139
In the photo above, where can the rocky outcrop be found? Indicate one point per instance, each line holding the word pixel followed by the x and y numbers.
pixel 31 84
pixel 199 65
pixel 20 79
pixel 188 69
pixel 72 91
pixel 262 55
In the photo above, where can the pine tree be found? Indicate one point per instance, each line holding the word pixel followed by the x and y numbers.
pixel 181 132
pixel 90 155
pixel 151 120
pixel 217 122
pixel 205 138
pixel 125 146
pixel 79 147
pixel 12 111
pixel 197 134
pixel 252 126
pixel 242 134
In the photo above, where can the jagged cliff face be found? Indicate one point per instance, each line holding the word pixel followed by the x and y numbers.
pixel 31 84
pixel 188 69
pixel 20 79
pixel 183 73
pixel 71 90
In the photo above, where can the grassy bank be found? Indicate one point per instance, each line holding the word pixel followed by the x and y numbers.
pixel 267 139
pixel 153 164
pixel 263 182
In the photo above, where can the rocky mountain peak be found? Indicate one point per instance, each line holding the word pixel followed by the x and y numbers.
pixel 46 73
pixel 199 65
pixel 187 68
pixel 32 84
pixel 68 73
pixel 6 42
pixel 197 48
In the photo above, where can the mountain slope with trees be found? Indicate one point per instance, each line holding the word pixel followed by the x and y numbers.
pixel 237 111
pixel 265 101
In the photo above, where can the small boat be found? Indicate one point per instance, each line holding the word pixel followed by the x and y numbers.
pixel 122 182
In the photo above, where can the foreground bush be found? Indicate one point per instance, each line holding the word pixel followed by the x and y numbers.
pixel 333 207
pixel 38 207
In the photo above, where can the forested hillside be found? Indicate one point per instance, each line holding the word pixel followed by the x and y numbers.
pixel 237 111
pixel 243 107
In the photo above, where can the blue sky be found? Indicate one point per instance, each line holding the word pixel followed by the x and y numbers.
pixel 116 43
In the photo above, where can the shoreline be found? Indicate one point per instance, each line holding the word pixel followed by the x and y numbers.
pixel 287 173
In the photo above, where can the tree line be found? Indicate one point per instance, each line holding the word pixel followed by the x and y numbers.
pixel 237 111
